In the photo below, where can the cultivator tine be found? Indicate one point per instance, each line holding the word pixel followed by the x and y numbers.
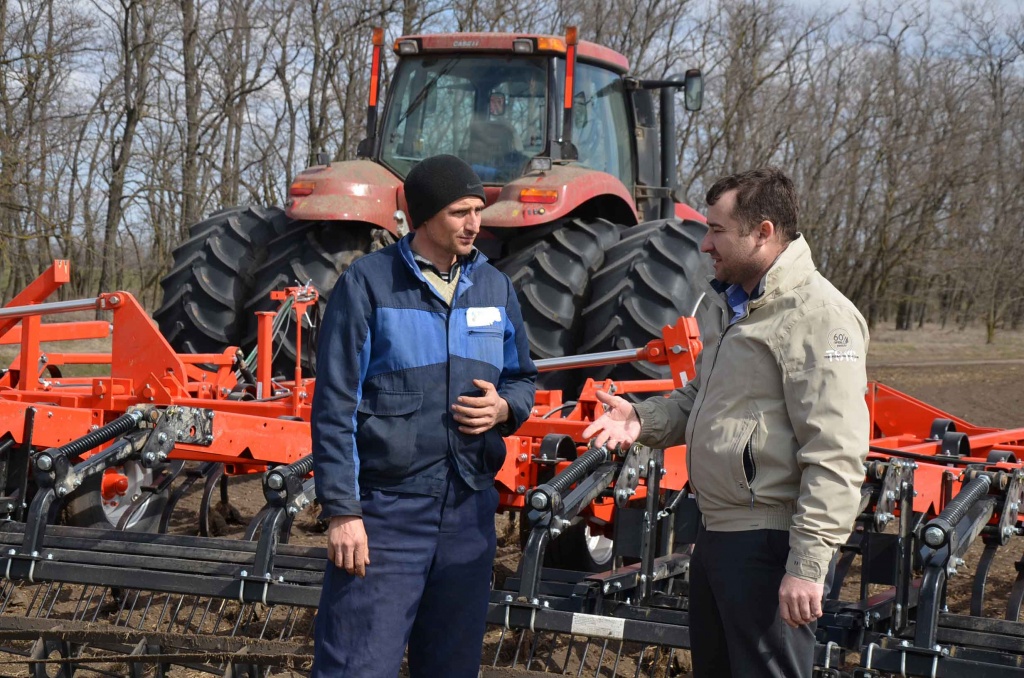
pixel 981 578
pixel 215 477
pixel 192 474
pixel 1016 598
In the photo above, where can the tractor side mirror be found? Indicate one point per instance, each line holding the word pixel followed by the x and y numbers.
pixel 365 148
pixel 694 89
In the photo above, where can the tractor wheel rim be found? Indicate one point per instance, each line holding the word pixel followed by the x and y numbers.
pixel 138 477
pixel 599 546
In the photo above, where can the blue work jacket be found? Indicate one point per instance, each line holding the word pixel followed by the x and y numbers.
pixel 393 357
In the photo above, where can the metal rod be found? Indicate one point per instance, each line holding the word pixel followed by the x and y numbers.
pixel 51 307
pixel 626 355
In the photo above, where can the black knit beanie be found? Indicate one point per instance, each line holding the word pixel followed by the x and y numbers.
pixel 436 182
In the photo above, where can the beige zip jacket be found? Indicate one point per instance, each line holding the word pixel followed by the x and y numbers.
pixel 775 421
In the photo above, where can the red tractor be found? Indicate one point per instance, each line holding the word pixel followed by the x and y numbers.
pixel 579 174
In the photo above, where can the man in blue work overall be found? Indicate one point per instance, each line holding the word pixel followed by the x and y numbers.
pixel 423 365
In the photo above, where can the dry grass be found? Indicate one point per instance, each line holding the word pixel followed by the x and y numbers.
pixel 935 344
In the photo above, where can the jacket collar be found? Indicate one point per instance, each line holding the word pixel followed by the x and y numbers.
pixel 468 262
pixel 788 271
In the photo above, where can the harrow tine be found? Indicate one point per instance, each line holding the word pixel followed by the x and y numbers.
pixel 549 660
pixel 497 652
pixel 640 662
pixel 657 658
pixel 82 599
pixel 532 649
pixel 618 656
pixel 600 659
pixel 5 595
pixel 289 623
pixel 163 613
pixel 519 647
pixel 53 599
pixel 238 619
pixel 568 653
pixel 99 603
pixel 177 611
pixel 192 614
pixel 583 658
pixel 220 614
pixel 206 613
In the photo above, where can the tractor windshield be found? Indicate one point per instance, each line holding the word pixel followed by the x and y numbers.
pixel 490 111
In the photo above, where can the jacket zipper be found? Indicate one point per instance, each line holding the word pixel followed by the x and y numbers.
pixel 748 451
pixel 718 347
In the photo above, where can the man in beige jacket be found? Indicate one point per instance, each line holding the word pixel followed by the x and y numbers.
pixel 776 428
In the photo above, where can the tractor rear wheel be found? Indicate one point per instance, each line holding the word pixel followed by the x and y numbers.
pixel 88 507
pixel 648 281
pixel 552 277
pixel 317 252
pixel 211 276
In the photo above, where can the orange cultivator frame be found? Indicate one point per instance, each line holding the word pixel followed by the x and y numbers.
pixel 934 484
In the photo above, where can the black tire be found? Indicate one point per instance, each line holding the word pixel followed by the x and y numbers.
pixel 86 507
pixel 317 252
pixel 648 280
pixel 552 278
pixel 211 277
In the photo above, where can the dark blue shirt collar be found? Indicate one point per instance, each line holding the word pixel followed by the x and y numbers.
pixel 737 299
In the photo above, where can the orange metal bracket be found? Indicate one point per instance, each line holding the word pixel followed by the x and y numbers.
pixel 48 281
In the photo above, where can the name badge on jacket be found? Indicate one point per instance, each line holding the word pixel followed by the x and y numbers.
pixel 482 316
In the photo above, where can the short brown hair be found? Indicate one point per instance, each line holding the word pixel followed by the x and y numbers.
pixel 764 194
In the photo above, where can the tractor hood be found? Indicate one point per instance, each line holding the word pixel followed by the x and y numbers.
pixel 541 197
pixel 355 190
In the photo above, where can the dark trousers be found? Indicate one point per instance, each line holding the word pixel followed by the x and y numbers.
pixel 427 587
pixel 735 628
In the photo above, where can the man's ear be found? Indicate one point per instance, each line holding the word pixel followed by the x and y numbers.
pixel 765 231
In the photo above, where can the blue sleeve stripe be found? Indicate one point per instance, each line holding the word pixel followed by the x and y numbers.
pixel 364 361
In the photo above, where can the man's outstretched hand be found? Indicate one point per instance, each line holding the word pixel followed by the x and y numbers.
pixel 618 426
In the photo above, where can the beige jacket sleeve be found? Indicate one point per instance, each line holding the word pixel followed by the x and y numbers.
pixel 823 357
pixel 663 418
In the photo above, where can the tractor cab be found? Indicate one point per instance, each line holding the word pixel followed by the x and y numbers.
pixel 498 101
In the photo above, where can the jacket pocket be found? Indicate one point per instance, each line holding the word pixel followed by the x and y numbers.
pixel 743 464
pixel 487 344
pixel 386 431
pixel 750 466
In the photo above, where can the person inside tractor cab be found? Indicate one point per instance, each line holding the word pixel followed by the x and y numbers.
pixel 495 151
pixel 423 366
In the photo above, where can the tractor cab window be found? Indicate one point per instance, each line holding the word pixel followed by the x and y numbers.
pixel 489 111
pixel 601 130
